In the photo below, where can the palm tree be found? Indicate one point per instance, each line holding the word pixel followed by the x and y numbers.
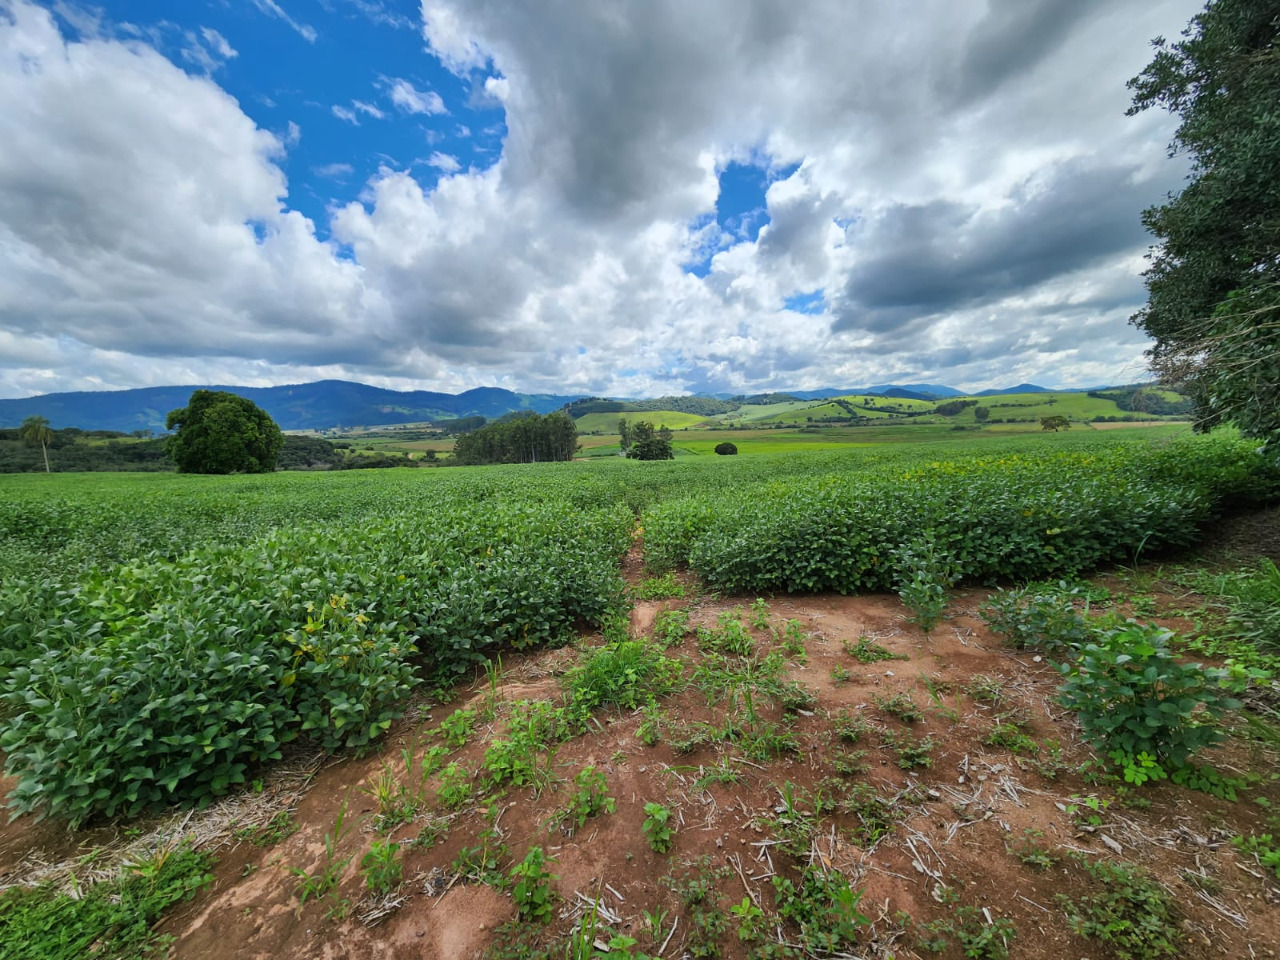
pixel 36 430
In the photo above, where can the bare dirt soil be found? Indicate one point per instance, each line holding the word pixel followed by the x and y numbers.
pixel 958 828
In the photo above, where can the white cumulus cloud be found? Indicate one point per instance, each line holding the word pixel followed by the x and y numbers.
pixel 411 100
pixel 958 182
pixel 445 162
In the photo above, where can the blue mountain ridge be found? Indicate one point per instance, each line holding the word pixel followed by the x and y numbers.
pixel 302 406
pixel 935 391
pixel 327 404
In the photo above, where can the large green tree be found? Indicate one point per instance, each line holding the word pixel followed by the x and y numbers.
pixel 219 432
pixel 650 444
pixel 35 430
pixel 1214 281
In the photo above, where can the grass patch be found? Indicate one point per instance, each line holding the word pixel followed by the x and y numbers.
pixel 865 651
pixel 113 918
pixel 627 674
pixel 1130 913
pixel 665 587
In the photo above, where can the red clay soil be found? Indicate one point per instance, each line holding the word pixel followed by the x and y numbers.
pixel 973 804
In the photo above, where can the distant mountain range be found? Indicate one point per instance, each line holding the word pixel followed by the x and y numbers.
pixel 920 391
pixel 930 390
pixel 328 404
pixel 303 406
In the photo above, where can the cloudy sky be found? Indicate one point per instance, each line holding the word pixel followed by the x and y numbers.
pixel 586 196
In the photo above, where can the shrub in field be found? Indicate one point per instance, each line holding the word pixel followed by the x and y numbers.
pixel 923 578
pixel 532 886
pixel 629 673
pixel 1130 912
pixel 824 907
pixel 1141 706
pixel 454 787
pixel 525 754
pixel 1034 617
pixel 382 867
pixel 589 798
pixel 347 675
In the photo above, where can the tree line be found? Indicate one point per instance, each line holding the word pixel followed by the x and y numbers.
pixel 1140 399
pixel 519 438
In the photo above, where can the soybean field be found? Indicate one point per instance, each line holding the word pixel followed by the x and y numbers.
pixel 231 615
pixel 167 642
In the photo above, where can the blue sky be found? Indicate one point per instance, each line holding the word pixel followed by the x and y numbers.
pixel 353 73
pixel 578 196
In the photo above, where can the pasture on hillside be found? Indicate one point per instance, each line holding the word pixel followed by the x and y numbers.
pixel 608 422
pixel 1001 408
pixel 789 704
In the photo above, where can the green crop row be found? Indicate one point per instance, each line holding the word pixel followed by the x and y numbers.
pixel 56 525
pixel 164 680
pixel 1012 517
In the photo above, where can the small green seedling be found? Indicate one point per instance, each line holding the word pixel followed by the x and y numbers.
pixel 656 827
pixel 532 890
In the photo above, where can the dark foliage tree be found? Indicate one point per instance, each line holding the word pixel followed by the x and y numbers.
pixel 981 414
pixel 1143 399
pixel 219 432
pixel 371 461
pixel 650 444
pixel 1055 423
pixel 527 438
pixel 726 449
pixel 301 453
pixel 1214 282
pixel 952 407
pixel 624 434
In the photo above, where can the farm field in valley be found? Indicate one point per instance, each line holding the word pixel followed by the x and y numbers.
pixel 720 706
